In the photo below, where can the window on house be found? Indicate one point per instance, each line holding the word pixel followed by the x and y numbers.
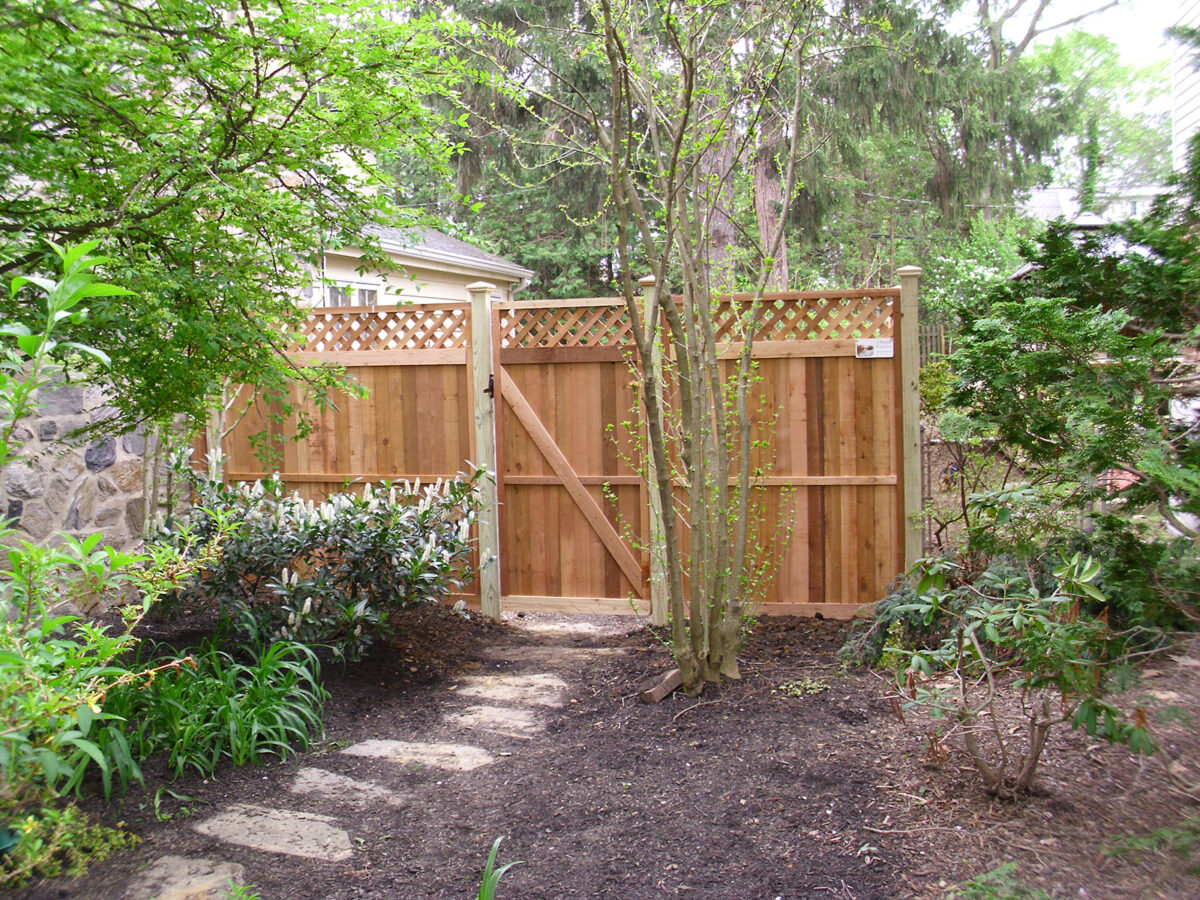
pixel 350 295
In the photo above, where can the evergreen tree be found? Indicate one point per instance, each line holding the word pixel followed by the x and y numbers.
pixel 519 190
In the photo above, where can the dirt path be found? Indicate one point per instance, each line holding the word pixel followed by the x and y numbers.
pixel 536 736
pixel 799 781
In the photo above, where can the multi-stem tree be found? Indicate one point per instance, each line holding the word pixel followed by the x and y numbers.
pixel 690 86
pixel 687 88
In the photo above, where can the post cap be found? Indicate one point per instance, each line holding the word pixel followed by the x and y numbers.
pixel 476 286
pixel 909 272
pixel 647 281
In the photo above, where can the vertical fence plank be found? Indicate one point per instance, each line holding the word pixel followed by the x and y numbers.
pixel 497 342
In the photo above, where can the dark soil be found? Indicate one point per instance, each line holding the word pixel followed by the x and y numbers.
pixel 745 792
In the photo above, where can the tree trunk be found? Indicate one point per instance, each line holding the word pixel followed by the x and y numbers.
pixel 714 203
pixel 768 202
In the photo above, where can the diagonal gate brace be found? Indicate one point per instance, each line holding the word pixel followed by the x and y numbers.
pixel 579 493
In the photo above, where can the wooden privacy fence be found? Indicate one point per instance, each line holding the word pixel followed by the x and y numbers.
pixel 543 393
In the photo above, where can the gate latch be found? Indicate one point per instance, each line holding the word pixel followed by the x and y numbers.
pixel 490 390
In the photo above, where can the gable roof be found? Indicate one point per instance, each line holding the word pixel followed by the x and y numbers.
pixel 427 245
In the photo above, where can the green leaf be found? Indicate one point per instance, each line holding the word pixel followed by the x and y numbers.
pixel 100 289
pixel 103 358
pixel 30 344
pixel 84 716
pixel 91 750
pixel 52 767
pixel 21 281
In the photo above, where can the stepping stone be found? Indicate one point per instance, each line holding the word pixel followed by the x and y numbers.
pixel 180 878
pixel 343 789
pixel 505 720
pixel 566 629
pixel 550 655
pixel 279 831
pixel 458 757
pixel 538 690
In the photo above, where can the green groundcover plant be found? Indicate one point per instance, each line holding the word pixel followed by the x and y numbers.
pixel 1001 883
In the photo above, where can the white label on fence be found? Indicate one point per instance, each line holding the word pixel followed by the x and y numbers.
pixel 873 348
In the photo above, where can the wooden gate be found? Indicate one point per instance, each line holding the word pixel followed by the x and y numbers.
pixel 836 469
pixel 573 509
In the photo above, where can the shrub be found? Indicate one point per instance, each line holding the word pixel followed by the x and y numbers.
pixel 54 671
pixel 893 625
pixel 1153 583
pixel 332 572
pixel 206 708
pixel 1013 644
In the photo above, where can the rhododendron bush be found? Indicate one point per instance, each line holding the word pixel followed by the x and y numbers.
pixel 332 572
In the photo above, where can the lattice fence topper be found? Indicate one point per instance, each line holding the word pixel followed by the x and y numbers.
pixel 592 323
pixel 803 317
pixel 401 328
pixel 808 318
pixel 605 325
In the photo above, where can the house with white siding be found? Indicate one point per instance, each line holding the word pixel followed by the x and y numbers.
pixel 431 267
pixel 1185 87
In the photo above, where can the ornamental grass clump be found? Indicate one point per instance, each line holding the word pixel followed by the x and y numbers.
pixel 333 572
pixel 209 708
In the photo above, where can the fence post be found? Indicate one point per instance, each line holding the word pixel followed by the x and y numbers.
pixel 485 447
pixel 908 335
pixel 658 575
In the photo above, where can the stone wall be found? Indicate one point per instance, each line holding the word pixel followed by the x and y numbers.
pixel 57 486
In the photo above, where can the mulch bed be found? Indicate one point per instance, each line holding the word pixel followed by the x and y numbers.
pixel 744 792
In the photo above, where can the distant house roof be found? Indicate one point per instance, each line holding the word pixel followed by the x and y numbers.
pixel 1130 201
pixel 427 245
pixel 1045 204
